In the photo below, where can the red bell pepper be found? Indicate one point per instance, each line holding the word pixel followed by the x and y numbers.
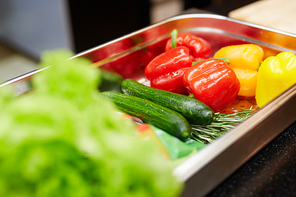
pixel 199 48
pixel 212 82
pixel 165 71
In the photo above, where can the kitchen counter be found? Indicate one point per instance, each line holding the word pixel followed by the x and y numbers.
pixel 277 14
pixel 271 172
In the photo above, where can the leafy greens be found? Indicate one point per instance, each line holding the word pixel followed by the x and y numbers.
pixel 63 139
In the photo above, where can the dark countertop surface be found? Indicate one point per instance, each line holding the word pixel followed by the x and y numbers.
pixel 271 172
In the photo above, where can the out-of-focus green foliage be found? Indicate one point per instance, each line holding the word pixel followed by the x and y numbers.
pixel 63 139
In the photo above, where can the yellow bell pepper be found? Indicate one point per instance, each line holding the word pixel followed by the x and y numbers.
pixel 275 75
pixel 244 60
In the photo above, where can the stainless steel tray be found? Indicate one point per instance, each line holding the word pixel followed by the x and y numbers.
pixel 129 55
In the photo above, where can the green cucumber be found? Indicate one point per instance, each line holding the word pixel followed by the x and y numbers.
pixel 110 81
pixel 152 113
pixel 195 111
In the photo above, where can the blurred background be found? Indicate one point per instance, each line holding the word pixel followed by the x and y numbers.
pixel 29 27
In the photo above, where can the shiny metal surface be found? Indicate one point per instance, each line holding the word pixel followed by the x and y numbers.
pixel 130 54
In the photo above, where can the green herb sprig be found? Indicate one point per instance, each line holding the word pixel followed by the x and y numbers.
pixel 221 124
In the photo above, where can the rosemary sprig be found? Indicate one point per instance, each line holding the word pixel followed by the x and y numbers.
pixel 220 125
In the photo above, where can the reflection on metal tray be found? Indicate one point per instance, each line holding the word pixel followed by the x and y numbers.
pixel 130 54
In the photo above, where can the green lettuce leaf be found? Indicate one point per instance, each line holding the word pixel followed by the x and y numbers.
pixel 63 139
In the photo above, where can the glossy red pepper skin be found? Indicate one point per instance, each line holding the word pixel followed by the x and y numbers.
pixel 199 48
pixel 212 82
pixel 165 71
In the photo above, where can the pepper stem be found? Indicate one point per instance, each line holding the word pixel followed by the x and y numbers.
pixel 224 59
pixel 174 34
